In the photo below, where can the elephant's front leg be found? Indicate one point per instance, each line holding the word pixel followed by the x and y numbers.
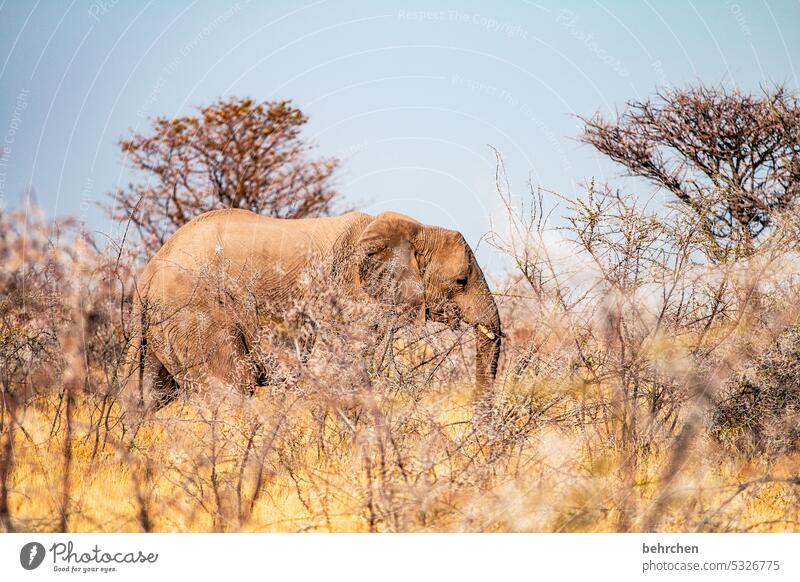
pixel 377 354
pixel 280 347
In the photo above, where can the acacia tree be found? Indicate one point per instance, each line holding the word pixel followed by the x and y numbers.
pixel 235 153
pixel 734 158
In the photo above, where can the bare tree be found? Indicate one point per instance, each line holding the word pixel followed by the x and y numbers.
pixel 235 153
pixel 733 157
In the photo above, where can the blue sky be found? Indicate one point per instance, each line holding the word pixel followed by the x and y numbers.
pixel 409 94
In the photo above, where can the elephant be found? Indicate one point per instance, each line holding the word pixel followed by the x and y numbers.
pixel 425 272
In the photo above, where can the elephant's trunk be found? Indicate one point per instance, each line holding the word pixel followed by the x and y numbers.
pixel 487 353
pixel 480 311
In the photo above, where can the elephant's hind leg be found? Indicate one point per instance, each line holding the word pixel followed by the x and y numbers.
pixel 165 387
pixel 207 350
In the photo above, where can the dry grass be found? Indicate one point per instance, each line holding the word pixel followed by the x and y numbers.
pixel 557 480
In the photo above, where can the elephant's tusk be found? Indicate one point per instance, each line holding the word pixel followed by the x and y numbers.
pixel 485 331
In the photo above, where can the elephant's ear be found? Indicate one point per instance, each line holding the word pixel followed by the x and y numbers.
pixel 388 265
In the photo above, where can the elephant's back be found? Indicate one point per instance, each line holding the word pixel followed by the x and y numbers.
pixel 243 240
pixel 240 231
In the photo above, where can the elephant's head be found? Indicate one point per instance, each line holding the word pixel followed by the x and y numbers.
pixel 433 272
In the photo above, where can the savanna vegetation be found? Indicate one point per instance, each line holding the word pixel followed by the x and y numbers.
pixel 648 380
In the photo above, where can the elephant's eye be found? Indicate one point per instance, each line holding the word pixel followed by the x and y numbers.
pixel 462 281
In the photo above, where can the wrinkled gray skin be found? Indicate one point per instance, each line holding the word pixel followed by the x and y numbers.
pixel 182 310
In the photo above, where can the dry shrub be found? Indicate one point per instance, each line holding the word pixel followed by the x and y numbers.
pixel 32 309
pixel 628 316
pixel 759 412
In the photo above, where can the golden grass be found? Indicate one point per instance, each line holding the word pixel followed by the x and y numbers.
pixel 332 475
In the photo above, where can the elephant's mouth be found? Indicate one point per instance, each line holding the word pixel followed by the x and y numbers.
pixel 449 317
